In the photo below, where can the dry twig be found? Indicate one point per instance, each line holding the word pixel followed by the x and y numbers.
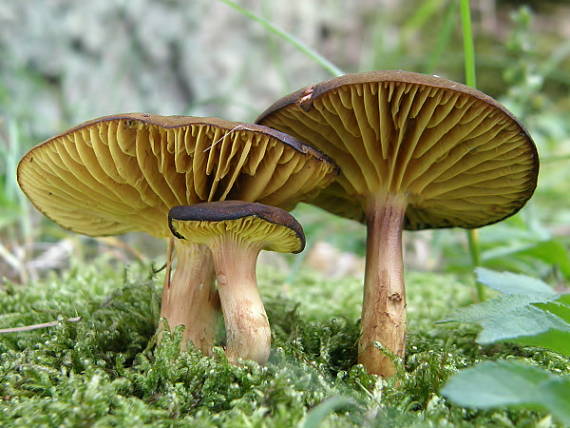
pixel 36 326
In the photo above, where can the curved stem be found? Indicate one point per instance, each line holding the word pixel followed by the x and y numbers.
pixel 384 305
pixel 190 299
pixel 247 327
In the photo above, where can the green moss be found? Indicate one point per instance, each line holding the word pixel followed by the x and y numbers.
pixel 101 371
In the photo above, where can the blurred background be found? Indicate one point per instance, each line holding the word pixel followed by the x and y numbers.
pixel 63 62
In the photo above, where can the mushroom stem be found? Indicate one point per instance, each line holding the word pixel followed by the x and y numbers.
pixel 190 298
pixel 384 306
pixel 247 327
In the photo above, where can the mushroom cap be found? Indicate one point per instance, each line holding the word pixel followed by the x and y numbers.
pixel 274 228
pixel 123 173
pixel 459 157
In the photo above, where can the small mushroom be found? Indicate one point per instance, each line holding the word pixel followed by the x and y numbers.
pixel 415 152
pixel 123 173
pixel 235 232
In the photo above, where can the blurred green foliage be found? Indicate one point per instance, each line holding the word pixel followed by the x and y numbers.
pixel 162 57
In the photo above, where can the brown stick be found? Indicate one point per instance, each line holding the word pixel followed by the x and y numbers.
pixel 37 326
pixel 384 305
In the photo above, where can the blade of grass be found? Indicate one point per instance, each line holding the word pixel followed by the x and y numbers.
pixel 443 38
pixel 470 80
pixel 12 160
pixel 422 15
pixel 289 38
pixel 9 258
pixel 468 46
pixel 273 48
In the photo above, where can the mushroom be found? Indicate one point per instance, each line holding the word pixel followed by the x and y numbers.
pixel 415 152
pixel 123 173
pixel 236 232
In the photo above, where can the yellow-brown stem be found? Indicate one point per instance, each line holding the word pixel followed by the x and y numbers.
pixel 247 327
pixel 190 299
pixel 384 305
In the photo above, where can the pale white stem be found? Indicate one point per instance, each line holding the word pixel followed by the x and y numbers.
pixel 247 327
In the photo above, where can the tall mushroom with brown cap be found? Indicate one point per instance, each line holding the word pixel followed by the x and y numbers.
pixel 415 152
pixel 123 173
pixel 236 232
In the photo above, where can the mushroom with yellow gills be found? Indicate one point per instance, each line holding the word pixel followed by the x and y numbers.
pixel 123 173
pixel 236 232
pixel 415 152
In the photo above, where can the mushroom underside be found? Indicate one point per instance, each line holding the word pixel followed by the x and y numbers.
pixel 235 232
pixel 415 152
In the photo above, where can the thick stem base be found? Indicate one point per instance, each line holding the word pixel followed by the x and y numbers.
pixel 190 298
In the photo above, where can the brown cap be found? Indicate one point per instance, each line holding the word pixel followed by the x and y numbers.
pixel 124 172
pixel 458 156
pixel 274 228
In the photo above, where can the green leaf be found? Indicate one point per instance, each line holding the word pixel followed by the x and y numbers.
pixel 530 313
pixel 317 415
pixel 511 283
pixel 516 319
pixel 560 307
pixel 512 384
pixel 552 252
pixel 553 340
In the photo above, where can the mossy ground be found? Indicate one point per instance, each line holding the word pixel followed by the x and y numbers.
pixel 103 370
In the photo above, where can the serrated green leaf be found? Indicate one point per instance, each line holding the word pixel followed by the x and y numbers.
pixel 513 323
pixel 537 318
pixel 511 283
pixel 495 308
pixel 512 384
pixel 516 319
